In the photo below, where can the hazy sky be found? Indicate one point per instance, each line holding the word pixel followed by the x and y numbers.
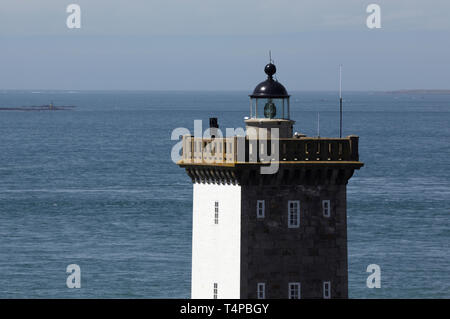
pixel 209 44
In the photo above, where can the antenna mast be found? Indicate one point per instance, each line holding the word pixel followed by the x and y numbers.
pixel 340 100
pixel 318 124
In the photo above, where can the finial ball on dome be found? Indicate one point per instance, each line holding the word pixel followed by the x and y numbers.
pixel 270 69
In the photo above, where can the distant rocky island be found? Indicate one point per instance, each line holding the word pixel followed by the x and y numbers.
pixel 419 91
pixel 47 107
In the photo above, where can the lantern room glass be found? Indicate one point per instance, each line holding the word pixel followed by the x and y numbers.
pixel 270 108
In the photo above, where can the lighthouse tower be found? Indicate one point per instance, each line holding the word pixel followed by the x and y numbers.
pixel 269 206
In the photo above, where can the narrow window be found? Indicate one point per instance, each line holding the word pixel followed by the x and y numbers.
pixel 326 290
pixel 294 290
pixel 326 208
pixel 260 209
pixel 293 214
pixel 261 290
pixel 216 212
pixel 215 290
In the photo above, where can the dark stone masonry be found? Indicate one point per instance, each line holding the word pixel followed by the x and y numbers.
pixel 311 254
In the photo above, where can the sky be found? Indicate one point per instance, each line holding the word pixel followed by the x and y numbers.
pixel 223 45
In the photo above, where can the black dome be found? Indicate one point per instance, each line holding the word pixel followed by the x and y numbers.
pixel 270 88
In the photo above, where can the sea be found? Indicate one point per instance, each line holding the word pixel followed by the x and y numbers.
pixel 96 186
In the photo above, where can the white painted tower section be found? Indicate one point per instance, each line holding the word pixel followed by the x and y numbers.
pixel 216 248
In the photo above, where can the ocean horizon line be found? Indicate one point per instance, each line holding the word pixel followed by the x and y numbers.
pixel 74 91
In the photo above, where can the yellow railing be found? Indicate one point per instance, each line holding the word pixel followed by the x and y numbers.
pixel 244 150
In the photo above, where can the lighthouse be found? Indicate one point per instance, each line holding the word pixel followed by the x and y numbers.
pixel 269 206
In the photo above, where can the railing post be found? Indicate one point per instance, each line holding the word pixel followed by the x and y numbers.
pixel 235 149
pixel 354 141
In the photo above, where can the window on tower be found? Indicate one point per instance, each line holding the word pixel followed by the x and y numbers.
pixel 215 290
pixel 260 209
pixel 261 290
pixel 216 212
pixel 326 290
pixel 293 214
pixel 326 209
pixel 294 290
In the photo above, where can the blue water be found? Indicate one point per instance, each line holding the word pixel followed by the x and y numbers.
pixel 96 187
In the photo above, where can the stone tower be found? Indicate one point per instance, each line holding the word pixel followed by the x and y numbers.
pixel 269 206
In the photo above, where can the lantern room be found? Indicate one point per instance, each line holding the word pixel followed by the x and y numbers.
pixel 270 99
